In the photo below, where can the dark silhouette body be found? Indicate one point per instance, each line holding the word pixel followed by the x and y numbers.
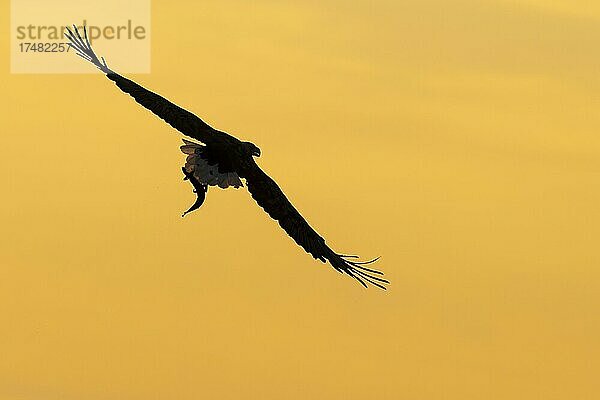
pixel 221 160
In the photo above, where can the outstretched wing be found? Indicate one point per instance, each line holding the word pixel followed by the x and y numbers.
pixel 179 118
pixel 271 198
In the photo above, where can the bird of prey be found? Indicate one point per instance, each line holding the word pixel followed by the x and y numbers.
pixel 222 160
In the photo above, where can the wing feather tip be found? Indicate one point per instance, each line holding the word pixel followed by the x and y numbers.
pixel 356 270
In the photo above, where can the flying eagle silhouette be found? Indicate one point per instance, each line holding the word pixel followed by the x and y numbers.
pixel 222 160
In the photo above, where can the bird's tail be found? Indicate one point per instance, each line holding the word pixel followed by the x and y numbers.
pixel 84 49
pixel 357 270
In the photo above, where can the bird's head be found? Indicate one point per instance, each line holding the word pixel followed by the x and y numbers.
pixel 252 149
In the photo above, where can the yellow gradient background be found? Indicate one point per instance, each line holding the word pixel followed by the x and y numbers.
pixel 460 140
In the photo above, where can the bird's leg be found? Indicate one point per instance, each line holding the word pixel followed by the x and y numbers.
pixel 199 188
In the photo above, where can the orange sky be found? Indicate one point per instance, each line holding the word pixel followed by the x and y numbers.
pixel 456 139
